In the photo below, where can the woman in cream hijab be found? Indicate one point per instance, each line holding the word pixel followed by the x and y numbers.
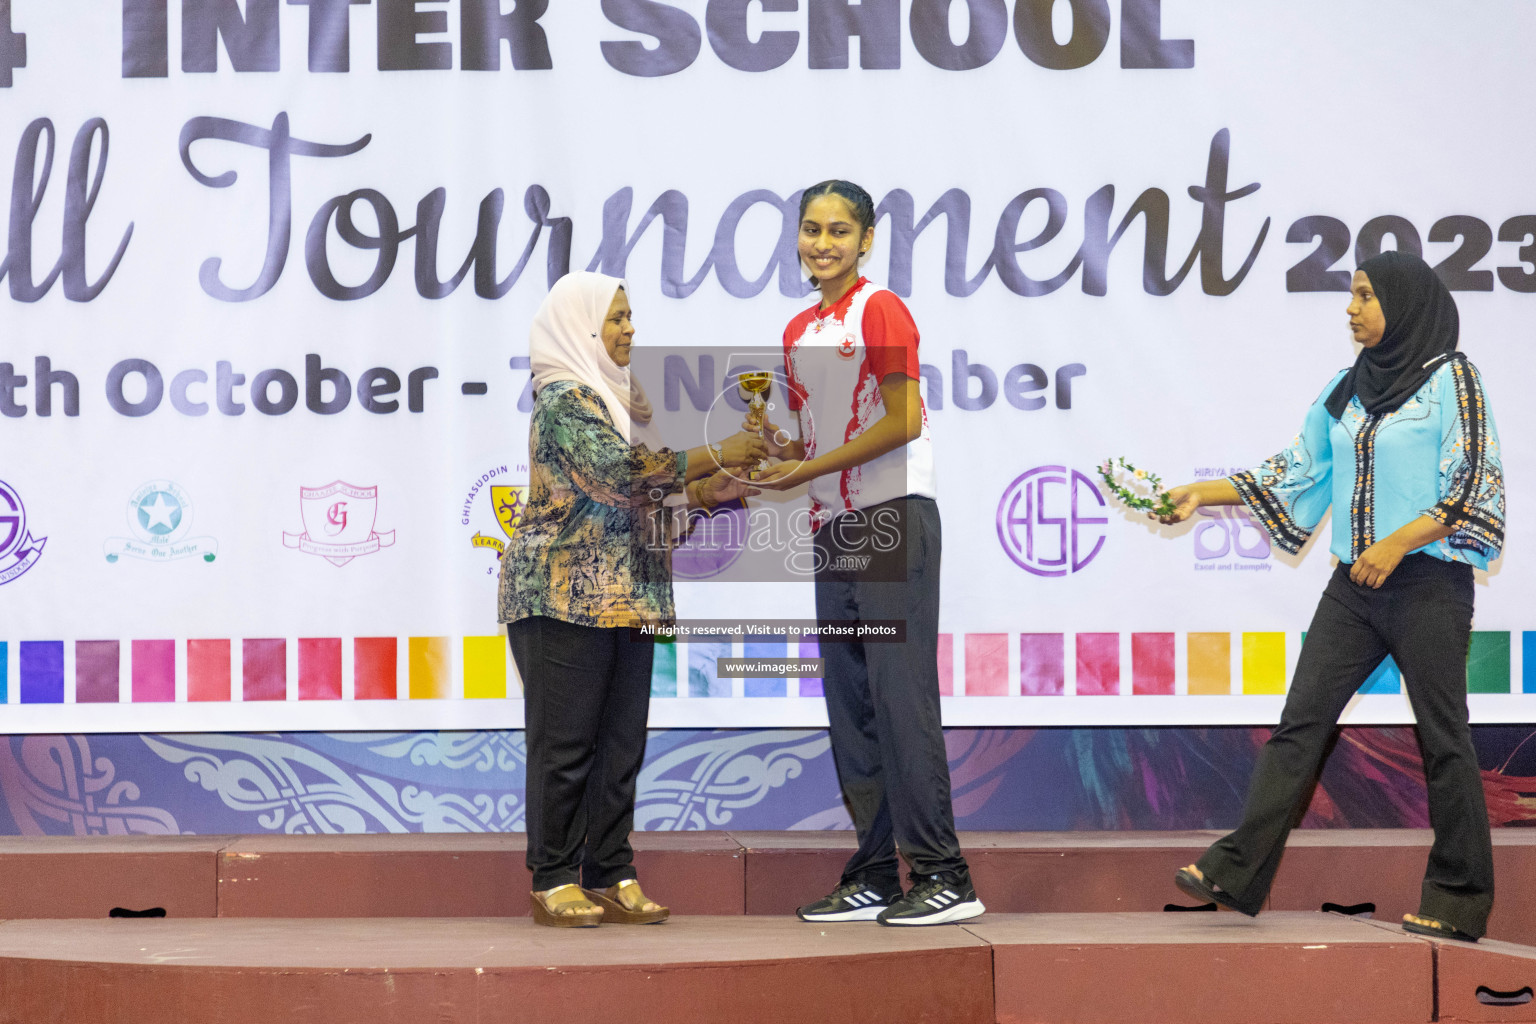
pixel 590 560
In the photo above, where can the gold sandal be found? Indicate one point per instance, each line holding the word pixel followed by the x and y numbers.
pixel 1435 928
pixel 565 906
pixel 621 904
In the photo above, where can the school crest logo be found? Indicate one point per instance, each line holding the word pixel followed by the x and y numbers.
pixel 508 502
pixel 493 508
pixel 338 523
pixel 160 517
pixel 19 550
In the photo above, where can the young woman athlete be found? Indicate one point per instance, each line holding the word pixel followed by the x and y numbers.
pixel 865 449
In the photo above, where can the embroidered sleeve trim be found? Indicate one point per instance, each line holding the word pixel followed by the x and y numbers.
pixel 1474 529
pixel 1270 512
pixel 1461 510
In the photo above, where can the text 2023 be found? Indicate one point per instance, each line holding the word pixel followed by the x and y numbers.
pixel 1472 237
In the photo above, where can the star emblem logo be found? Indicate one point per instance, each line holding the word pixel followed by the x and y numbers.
pixel 159 513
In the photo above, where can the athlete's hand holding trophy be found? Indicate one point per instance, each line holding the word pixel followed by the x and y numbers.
pixel 755 387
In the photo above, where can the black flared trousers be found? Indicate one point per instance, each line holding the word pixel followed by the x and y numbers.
pixel 1422 617
pixel 883 698
pixel 587 694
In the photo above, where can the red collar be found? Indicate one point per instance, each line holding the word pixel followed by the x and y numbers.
pixel 841 306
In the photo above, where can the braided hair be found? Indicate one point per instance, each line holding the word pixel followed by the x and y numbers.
pixel 858 200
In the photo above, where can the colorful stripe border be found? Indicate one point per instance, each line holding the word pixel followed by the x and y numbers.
pixel 990 664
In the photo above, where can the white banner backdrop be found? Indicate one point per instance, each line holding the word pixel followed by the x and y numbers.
pixel 270 269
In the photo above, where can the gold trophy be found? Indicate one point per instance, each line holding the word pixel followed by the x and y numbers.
pixel 756 384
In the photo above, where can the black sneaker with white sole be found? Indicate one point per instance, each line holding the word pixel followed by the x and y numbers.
pixel 935 900
pixel 852 901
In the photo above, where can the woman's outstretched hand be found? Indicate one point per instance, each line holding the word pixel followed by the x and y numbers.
pixel 1185 500
pixel 742 450
pixel 782 476
pixel 725 487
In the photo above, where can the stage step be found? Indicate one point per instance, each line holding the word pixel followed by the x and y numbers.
pixel 1491 981
pixel 700 970
pixel 1386 867
pixel 1110 968
pixel 90 876
pixel 1223 968
pixel 710 873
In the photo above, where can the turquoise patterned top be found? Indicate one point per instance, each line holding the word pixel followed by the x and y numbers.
pixel 1435 455
pixel 593 547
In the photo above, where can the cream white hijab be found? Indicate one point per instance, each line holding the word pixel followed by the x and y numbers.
pixel 566 343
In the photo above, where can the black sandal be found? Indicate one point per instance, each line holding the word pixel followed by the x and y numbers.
pixel 1435 928
pixel 1200 888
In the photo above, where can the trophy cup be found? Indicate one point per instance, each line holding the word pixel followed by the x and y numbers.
pixel 756 384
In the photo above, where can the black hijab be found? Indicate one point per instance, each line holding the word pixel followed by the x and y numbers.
pixel 1422 327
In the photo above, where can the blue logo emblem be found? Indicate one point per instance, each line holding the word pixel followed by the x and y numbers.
pixel 160 517
pixel 159 513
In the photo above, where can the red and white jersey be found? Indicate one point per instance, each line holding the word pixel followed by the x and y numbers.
pixel 836 359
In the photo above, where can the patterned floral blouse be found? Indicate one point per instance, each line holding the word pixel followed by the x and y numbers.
pixel 593 547
pixel 1435 455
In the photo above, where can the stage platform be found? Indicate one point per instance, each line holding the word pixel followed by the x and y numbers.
pixel 1109 968
pixel 699 873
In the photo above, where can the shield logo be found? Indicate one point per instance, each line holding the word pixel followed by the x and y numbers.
pixel 509 502
pixel 338 523
pixel 339 513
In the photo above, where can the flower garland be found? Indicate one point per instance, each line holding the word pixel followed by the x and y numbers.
pixel 1159 504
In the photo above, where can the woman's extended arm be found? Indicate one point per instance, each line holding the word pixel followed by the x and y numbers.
pixel 577 435
pixel 1287 496
pixel 736 452
pixel 1188 497
pixel 713 490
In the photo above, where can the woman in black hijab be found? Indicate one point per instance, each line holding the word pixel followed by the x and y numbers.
pixel 1422 328
pixel 1403 446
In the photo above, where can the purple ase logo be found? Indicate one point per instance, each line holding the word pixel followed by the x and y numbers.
pixel 19 550
pixel 1047 521
pixel 714 545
